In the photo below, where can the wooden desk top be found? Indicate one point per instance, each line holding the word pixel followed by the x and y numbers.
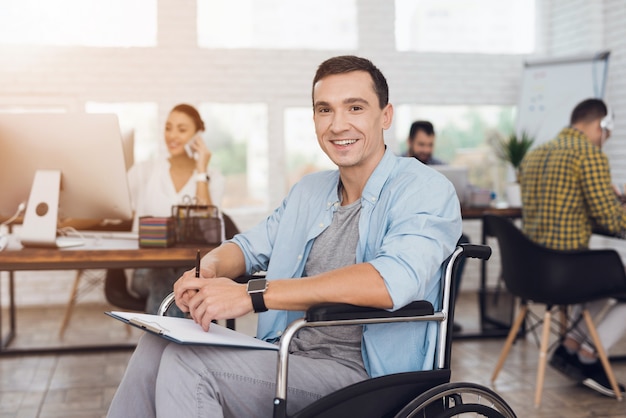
pixel 124 254
pixel 86 258
pixel 478 212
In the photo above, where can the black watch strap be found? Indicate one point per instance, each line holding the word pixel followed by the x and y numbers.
pixel 258 302
pixel 256 288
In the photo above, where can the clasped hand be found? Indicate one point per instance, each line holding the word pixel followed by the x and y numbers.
pixel 209 297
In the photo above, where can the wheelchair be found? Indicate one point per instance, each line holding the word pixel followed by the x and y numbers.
pixel 423 394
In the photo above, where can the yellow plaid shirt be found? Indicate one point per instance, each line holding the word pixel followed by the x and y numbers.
pixel 567 192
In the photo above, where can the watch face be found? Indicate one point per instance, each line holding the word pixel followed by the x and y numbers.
pixel 256 285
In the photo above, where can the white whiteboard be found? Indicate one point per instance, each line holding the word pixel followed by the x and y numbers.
pixel 550 90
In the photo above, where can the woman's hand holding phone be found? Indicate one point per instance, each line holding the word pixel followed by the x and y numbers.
pixel 197 149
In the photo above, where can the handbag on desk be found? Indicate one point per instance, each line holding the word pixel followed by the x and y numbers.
pixel 198 224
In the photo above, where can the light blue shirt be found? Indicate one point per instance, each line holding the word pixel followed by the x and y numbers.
pixel 410 223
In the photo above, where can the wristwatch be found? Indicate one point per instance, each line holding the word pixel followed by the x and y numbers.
pixel 256 288
pixel 202 177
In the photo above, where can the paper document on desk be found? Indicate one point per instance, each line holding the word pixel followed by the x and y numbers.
pixel 186 331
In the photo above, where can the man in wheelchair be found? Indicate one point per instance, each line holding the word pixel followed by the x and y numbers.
pixel 375 232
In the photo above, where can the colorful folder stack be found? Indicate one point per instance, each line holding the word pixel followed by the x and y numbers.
pixel 156 231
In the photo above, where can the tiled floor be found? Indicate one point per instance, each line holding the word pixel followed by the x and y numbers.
pixel 82 385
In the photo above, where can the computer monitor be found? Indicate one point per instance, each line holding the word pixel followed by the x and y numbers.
pixel 128 143
pixel 458 176
pixel 69 165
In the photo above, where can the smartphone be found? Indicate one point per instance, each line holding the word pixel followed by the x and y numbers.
pixel 188 148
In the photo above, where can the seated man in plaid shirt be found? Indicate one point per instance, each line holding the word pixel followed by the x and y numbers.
pixel 566 193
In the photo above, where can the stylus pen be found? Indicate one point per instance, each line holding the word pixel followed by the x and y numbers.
pixel 198 264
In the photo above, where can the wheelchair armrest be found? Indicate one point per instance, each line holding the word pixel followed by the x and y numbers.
pixel 340 311
pixel 479 251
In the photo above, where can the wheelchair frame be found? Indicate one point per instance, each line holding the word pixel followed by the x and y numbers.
pixel 440 399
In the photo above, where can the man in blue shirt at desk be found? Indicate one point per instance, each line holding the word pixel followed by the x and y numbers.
pixel 366 234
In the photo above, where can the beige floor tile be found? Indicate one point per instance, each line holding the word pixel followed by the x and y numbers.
pixel 82 385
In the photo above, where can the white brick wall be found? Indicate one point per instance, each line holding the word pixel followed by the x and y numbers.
pixel 577 26
pixel 177 70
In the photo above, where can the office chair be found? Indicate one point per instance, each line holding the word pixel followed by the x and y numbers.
pixel 554 278
pixel 411 394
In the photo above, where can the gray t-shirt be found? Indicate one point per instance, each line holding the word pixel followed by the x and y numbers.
pixel 332 249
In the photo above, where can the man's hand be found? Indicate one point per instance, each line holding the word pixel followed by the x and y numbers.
pixel 187 286
pixel 209 299
pixel 219 298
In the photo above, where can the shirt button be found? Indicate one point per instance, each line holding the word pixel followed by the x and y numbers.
pixel 299 257
pixel 373 199
pixel 279 333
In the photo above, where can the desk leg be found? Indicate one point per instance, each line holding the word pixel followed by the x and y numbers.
pixel 6 339
pixel 10 335
pixel 486 332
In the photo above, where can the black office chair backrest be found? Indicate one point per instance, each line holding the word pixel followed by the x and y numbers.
pixel 539 274
pixel 230 229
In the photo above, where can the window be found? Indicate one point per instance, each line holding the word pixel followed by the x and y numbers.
pixel 470 26
pixel 303 155
pixel 32 109
pixel 111 23
pixel 278 24
pixel 462 137
pixel 236 134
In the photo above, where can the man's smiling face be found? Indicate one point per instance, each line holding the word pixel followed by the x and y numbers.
pixel 349 122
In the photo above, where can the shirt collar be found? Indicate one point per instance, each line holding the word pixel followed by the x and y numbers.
pixel 373 187
pixel 379 177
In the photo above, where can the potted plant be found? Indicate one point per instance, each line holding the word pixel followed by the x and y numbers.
pixel 512 149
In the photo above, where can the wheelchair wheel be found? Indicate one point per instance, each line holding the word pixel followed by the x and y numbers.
pixel 457 400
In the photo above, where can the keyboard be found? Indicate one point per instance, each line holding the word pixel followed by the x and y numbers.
pixel 113 235
pixel 66 242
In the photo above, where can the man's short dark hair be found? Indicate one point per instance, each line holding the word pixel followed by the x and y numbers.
pixel 588 111
pixel 348 63
pixel 421 125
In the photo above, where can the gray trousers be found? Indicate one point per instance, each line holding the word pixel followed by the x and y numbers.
pixel 611 328
pixel 166 379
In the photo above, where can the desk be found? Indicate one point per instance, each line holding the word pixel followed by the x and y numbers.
pixel 477 213
pixel 97 253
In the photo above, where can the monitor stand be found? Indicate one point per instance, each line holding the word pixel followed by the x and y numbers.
pixel 40 220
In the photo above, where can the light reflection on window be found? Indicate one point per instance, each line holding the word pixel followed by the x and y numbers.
pixel 303 153
pixel 278 24
pixel 469 26
pixel 111 23
pixel 236 135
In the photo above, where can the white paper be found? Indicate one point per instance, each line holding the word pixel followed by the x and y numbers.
pixel 186 331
